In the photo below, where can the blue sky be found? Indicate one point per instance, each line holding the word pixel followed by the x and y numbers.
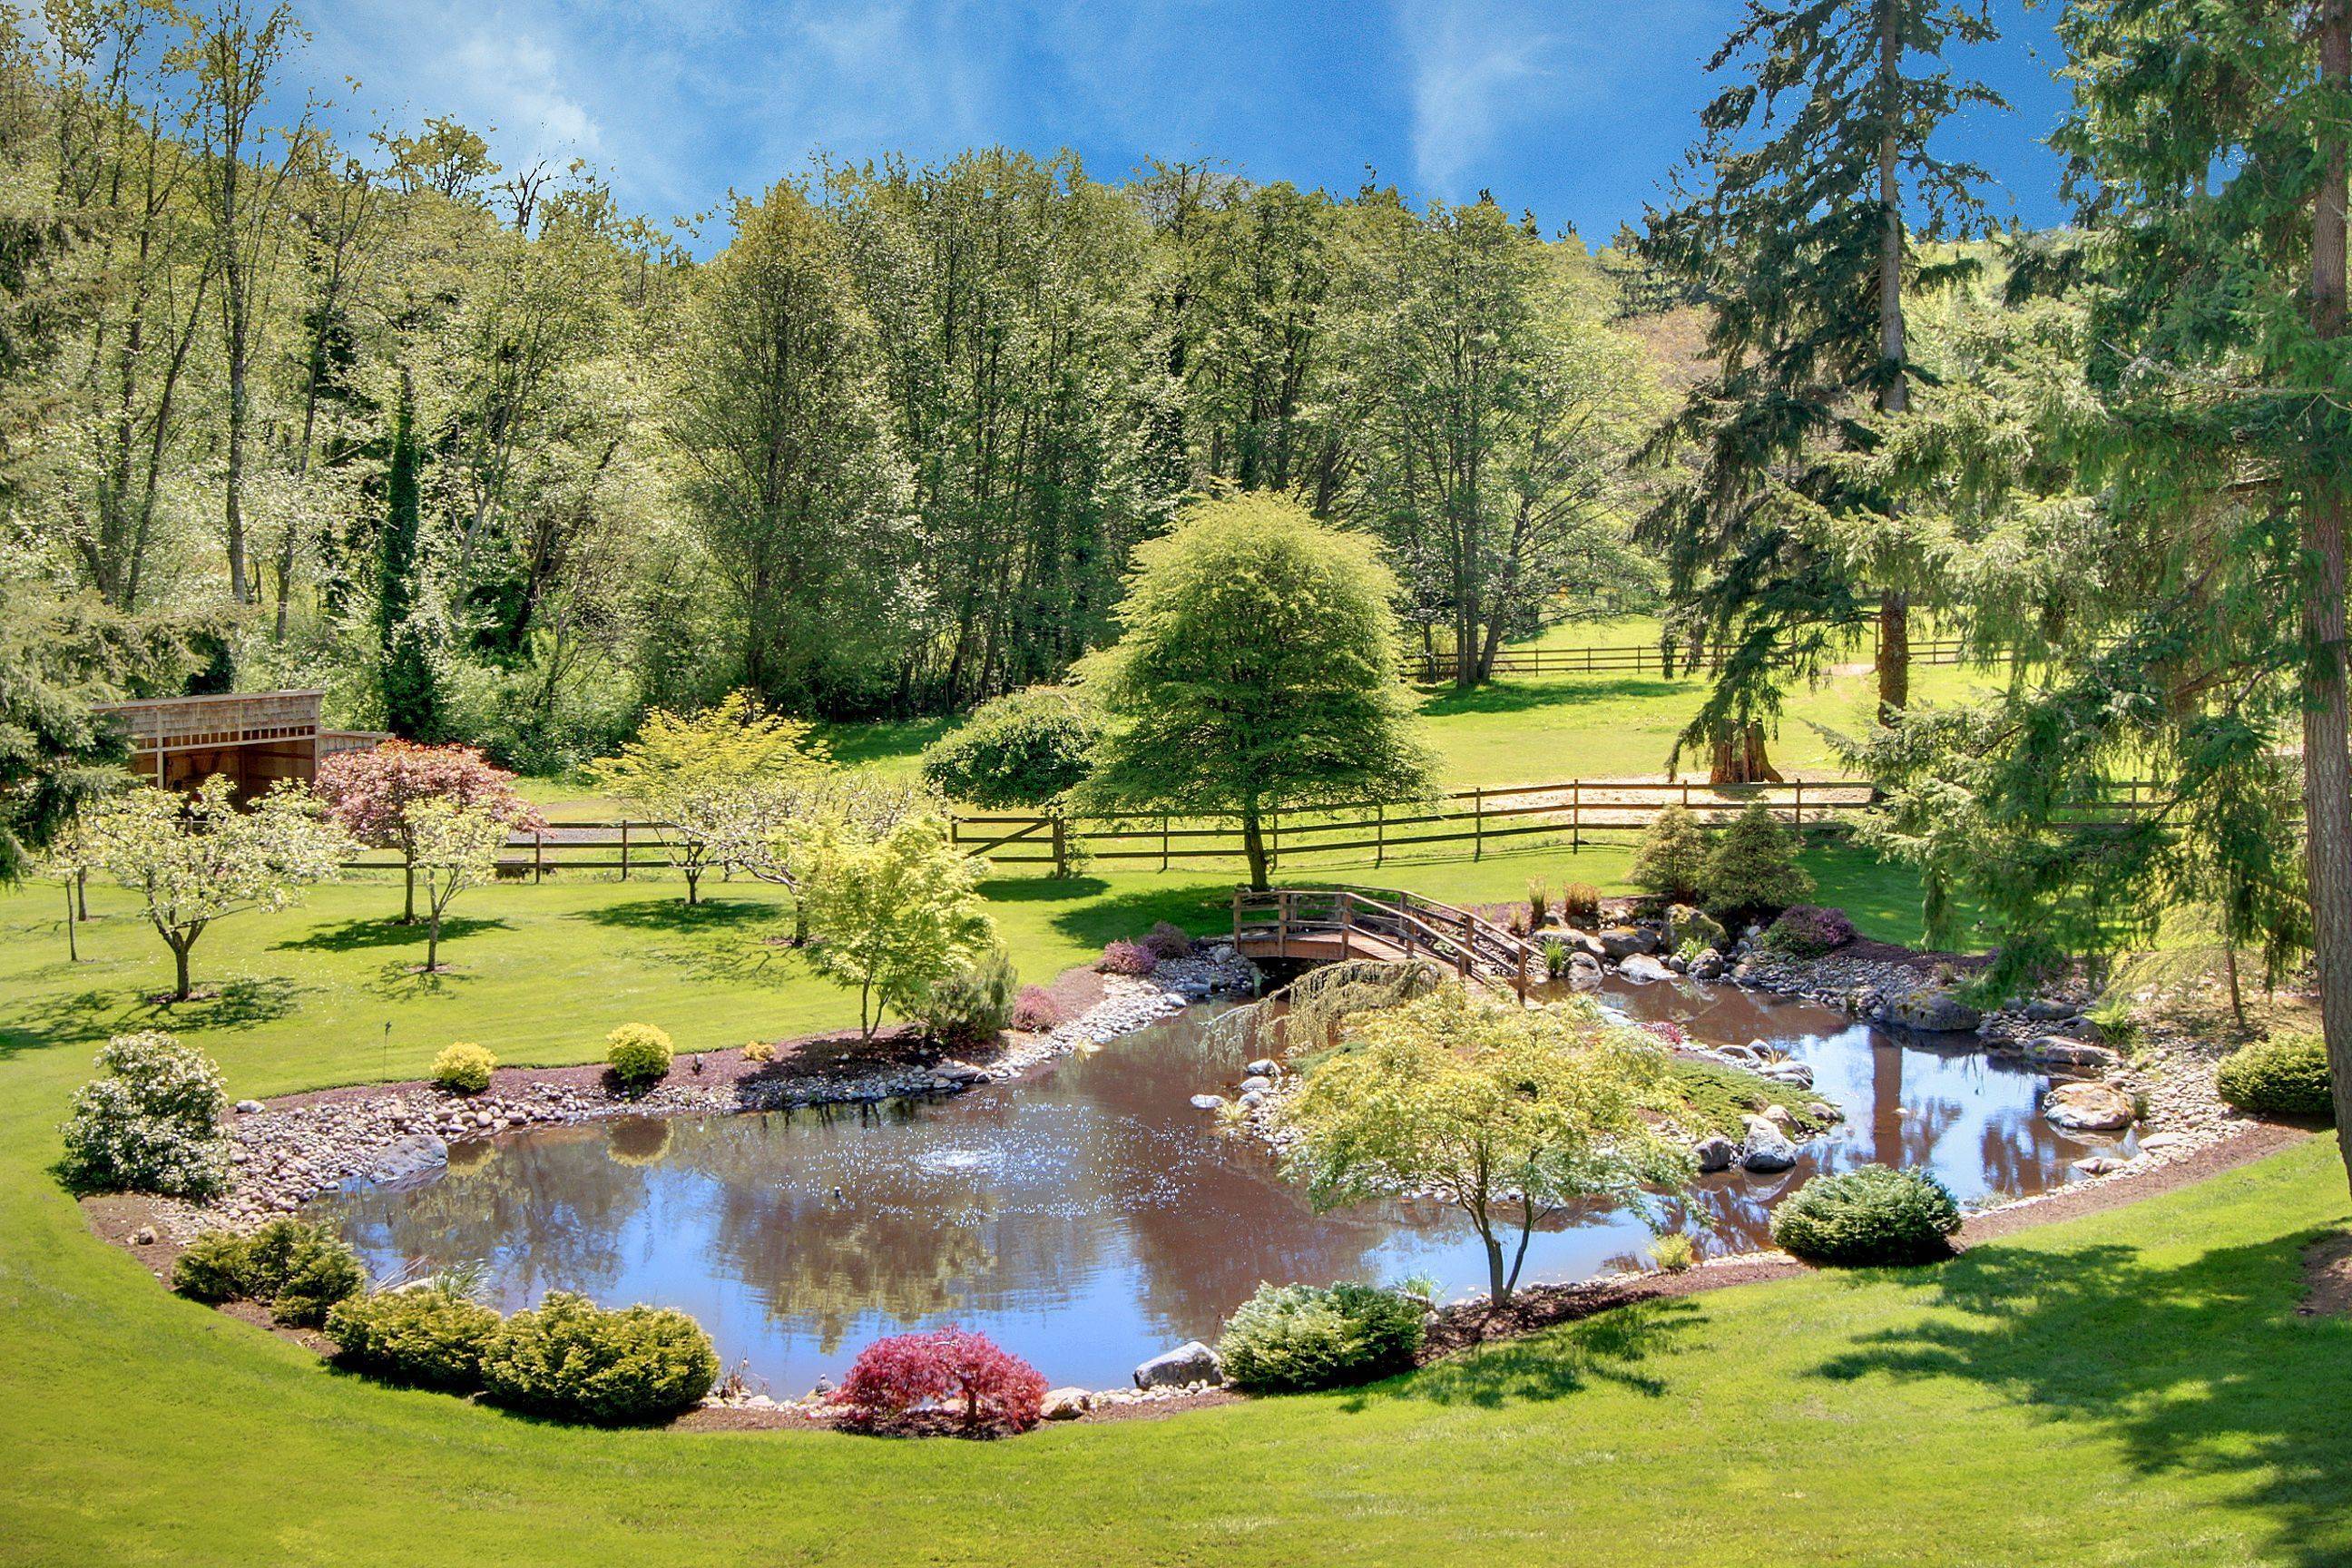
pixel 1572 107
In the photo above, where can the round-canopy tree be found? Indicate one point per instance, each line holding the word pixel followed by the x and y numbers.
pixel 375 796
pixel 1025 748
pixel 1255 672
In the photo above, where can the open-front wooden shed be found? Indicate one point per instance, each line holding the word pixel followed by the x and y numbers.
pixel 255 738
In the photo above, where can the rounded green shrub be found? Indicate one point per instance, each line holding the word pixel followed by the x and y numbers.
pixel 1752 865
pixel 213 1267
pixel 2286 1075
pixel 571 1358
pixel 639 1055
pixel 150 1124
pixel 423 1335
pixel 464 1068
pixel 1869 1214
pixel 300 1270
pixel 1019 750
pixel 1290 1337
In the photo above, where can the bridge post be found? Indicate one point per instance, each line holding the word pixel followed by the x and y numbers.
pixel 1237 919
pixel 1469 936
pixel 1346 926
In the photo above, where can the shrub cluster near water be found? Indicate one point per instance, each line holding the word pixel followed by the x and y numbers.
pixel 1288 1338
pixel 2286 1075
pixel 150 1123
pixel 1870 1214
pixel 300 1271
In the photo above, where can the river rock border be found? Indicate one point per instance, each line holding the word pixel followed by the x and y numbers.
pixel 286 1152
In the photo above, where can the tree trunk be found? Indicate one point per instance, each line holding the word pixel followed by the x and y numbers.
pixel 433 944
pixel 1739 758
pixel 1254 847
pixel 2326 734
pixel 2237 998
pixel 1498 1283
pixel 179 961
pixel 693 885
pixel 408 902
pixel 1894 654
pixel 1895 398
pixel 73 938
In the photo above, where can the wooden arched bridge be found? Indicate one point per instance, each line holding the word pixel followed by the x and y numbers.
pixel 1326 925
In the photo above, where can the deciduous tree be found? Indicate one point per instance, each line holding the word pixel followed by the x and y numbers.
pixel 375 796
pixel 893 914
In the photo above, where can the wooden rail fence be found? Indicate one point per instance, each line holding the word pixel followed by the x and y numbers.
pixel 1571 814
pixel 1635 658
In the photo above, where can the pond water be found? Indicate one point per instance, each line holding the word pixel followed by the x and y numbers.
pixel 1088 1217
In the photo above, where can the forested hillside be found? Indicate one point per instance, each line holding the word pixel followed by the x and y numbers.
pixel 493 460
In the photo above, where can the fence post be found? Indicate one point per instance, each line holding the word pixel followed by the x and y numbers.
pixel 1801 805
pixel 538 856
pixel 625 850
pixel 1061 847
pixel 1163 841
pixel 1575 815
pixel 1380 833
pixel 1478 823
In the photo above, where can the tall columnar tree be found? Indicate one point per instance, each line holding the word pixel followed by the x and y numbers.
pixel 56 758
pixel 1255 672
pixel 793 483
pixel 408 681
pixel 1812 182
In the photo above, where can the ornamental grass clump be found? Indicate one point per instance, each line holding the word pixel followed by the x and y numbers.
pixel 150 1124
pixel 1128 958
pixel 639 1055
pixel 1869 1214
pixel 424 1336
pixel 1580 901
pixel 1674 1252
pixel 985 1389
pixel 463 1069
pixel 1290 1338
pixel 571 1359
pixel 2286 1075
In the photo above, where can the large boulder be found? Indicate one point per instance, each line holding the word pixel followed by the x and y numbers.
pixel 1192 1362
pixel 2088 1107
pixel 1768 1148
pixel 1930 1008
pixel 1708 965
pixel 2061 1051
pixel 1714 1154
pixel 1687 924
pixel 1641 969
pixel 1584 971
pixel 1619 943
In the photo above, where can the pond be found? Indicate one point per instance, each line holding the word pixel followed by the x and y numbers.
pixel 1088 1217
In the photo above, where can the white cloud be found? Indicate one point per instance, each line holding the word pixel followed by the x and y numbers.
pixel 1478 67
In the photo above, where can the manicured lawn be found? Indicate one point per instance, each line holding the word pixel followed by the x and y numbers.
pixel 541 972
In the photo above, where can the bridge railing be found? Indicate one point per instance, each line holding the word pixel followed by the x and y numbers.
pixel 1364 922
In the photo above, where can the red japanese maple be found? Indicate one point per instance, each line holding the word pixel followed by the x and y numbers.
pixel 990 1389
pixel 371 794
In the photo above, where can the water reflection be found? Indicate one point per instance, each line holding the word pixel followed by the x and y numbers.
pixel 1089 1216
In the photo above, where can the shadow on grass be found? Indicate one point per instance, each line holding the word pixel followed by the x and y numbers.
pixel 1611 1348
pixel 358 936
pixel 1099 920
pixel 86 1017
pixel 675 915
pixel 2201 1370
pixel 1567 692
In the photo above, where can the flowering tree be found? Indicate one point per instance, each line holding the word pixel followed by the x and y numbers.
pixel 196 859
pixel 989 1388
pixel 1510 1114
pixel 456 846
pixel 893 913
pixel 374 797
pixel 717 780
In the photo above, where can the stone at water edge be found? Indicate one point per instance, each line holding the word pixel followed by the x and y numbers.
pixel 1619 943
pixel 1207 1102
pixel 1768 1148
pixel 2088 1107
pixel 2099 1165
pixel 1713 1154
pixel 2061 1051
pixel 1584 973
pixel 1258 1080
pixel 1641 969
pixel 1192 1362
pixel 2156 1143
pixel 1065 1403
pixel 247 1107
pixel 1930 1010
pixel 1264 1067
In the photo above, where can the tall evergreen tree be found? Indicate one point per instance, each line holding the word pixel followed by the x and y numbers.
pixel 405 677
pixel 1798 221
pixel 2210 146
